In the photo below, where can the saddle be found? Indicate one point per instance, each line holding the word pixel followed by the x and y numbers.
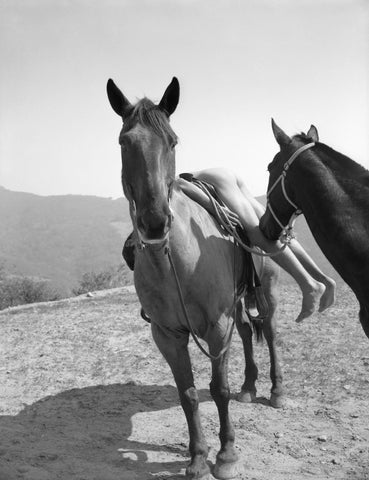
pixel 255 304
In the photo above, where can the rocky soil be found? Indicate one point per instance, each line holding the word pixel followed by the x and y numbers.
pixel 85 395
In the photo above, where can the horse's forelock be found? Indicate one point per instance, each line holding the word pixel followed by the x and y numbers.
pixel 151 116
pixel 303 137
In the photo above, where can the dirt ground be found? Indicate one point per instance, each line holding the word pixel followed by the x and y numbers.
pixel 85 395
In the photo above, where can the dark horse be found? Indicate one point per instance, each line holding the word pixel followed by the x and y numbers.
pixel 332 191
pixel 177 237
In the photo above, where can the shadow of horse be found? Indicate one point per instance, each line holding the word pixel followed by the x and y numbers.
pixel 87 434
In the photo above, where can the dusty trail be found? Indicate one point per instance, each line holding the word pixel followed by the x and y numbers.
pixel 86 396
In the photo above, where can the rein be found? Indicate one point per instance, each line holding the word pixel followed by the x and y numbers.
pixel 141 244
pixel 224 221
pixel 188 321
pixel 287 230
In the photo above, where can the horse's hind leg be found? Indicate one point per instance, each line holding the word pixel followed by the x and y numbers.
pixel 269 282
pixel 248 389
pixel 226 461
pixel 364 318
pixel 174 350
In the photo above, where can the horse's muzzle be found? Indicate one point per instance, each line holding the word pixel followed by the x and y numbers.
pixel 154 229
pixel 269 227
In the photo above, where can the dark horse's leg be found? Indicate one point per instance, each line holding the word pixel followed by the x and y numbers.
pixel 226 461
pixel 175 351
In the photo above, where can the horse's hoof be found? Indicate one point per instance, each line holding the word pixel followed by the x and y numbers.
pixel 225 471
pixel 246 397
pixel 277 401
pixel 200 472
pixel 205 476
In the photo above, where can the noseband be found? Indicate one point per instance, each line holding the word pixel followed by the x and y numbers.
pixel 286 234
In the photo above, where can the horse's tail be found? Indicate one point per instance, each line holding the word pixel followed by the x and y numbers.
pixel 256 309
pixel 257 327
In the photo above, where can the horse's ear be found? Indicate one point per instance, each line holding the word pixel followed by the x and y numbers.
pixel 117 100
pixel 281 137
pixel 170 98
pixel 313 133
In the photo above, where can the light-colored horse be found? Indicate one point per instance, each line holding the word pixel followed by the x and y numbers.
pixel 173 231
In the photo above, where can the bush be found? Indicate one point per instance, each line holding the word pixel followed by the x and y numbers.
pixel 111 278
pixel 17 290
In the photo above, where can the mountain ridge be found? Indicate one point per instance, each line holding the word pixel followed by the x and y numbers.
pixel 61 237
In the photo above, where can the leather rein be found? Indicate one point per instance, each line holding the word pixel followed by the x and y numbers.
pixel 286 233
pixel 287 230
pixel 142 244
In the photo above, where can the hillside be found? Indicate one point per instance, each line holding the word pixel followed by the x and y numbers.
pixel 86 395
pixel 62 237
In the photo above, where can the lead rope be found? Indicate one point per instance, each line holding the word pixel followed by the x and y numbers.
pixel 228 226
pixel 184 309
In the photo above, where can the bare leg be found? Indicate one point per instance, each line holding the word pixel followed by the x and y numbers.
pixel 236 196
pixel 328 297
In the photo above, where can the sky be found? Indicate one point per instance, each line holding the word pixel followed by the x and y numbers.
pixel 239 63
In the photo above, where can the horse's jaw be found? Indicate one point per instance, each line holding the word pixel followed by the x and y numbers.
pixel 152 241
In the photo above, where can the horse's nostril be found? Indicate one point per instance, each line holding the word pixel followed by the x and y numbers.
pixel 154 227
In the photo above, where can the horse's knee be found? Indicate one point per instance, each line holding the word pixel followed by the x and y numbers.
pixel 219 392
pixel 191 398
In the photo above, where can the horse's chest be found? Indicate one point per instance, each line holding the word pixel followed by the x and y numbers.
pixel 160 288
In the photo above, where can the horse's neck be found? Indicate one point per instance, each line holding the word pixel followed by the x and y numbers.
pixel 331 201
pixel 323 184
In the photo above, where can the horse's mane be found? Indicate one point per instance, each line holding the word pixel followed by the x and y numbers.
pixel 151 116
pixel 341 164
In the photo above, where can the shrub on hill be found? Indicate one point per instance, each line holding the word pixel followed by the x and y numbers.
pixel 18 290
pixel 110 278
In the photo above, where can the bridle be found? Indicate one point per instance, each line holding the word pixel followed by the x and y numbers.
pixel 287 230
pixel 141 243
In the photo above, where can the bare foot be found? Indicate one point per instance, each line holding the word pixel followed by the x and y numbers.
pixel 328 297
pixel 310 301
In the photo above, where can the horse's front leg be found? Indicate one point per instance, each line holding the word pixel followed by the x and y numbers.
pixel 226 461
pixel 175 351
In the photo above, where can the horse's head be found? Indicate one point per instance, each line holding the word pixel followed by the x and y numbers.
pixel 148 159
pixel 281 203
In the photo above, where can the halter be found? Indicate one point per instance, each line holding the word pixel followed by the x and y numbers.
pixel 287 234
pixel 140 242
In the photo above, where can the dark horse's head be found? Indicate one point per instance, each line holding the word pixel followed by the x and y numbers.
pixel 148 159
pixel 281 204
